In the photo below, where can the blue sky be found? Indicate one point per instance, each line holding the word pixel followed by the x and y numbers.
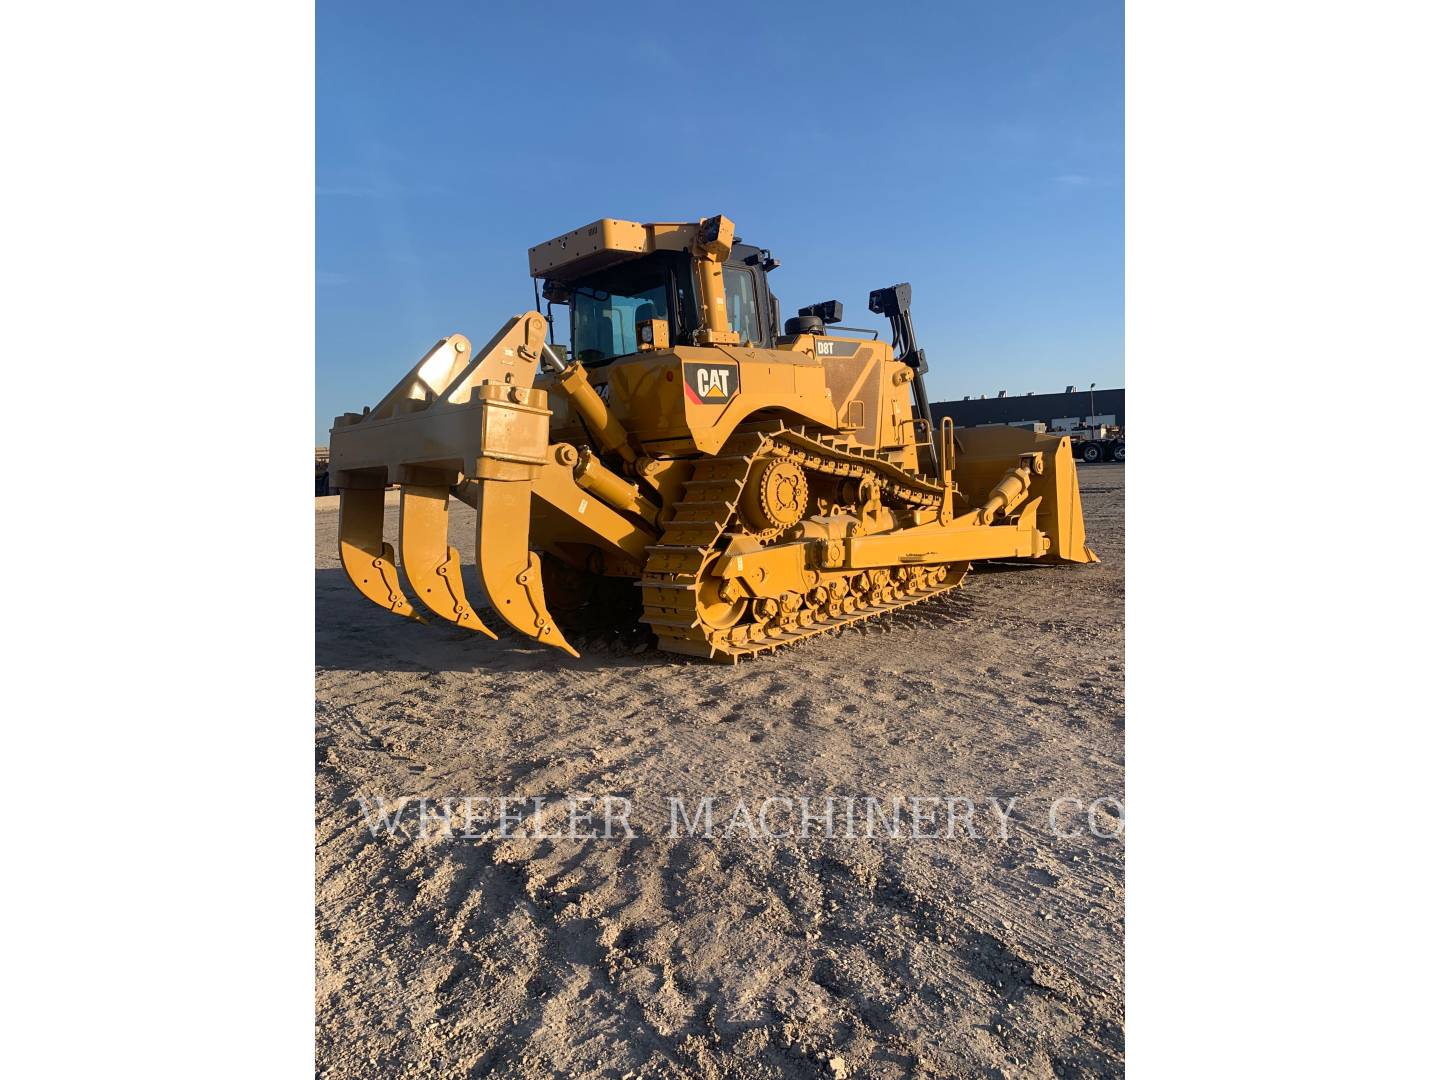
pixel 974 149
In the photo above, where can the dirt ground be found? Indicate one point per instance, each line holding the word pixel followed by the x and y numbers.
pixel 998 954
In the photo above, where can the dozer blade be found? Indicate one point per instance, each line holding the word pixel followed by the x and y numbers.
pixel 430 564
pixel 987 452
pixel 1066 518
pixel 369 562
pixel 509 570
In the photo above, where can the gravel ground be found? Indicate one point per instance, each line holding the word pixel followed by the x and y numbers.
pixel 995 952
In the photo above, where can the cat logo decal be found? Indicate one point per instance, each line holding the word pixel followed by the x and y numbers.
pixel 711 384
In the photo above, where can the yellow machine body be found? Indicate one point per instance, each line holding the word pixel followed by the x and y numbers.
pixel 755 487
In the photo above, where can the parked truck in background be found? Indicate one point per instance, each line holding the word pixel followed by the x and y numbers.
pixel 1090 444
pixel 1093 438
pixel 1093 420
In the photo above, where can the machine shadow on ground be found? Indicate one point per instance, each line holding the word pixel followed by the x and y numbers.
pixel 353 634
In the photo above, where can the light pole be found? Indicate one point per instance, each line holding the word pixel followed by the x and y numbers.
pixel 1092 410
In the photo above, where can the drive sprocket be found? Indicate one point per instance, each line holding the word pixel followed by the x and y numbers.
pixel 775 497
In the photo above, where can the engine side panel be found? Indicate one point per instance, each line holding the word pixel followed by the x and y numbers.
pixel 690 399
pixel 871 390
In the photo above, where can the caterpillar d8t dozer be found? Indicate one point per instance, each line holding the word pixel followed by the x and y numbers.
pixel 746 487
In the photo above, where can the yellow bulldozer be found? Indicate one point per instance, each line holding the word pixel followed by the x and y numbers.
pixel 743 487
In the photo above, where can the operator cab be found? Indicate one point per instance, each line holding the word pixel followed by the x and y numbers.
pixel 613 311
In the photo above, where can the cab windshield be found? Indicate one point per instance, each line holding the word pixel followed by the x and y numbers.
pixel 607 309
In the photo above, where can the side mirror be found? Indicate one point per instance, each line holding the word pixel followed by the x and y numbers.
pixel 764 261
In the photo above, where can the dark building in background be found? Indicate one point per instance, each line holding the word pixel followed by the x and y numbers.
pixel 1041 408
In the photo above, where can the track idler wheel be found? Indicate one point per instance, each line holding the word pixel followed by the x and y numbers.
pixel 718 601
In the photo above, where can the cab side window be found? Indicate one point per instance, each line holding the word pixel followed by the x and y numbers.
pixel 741 304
